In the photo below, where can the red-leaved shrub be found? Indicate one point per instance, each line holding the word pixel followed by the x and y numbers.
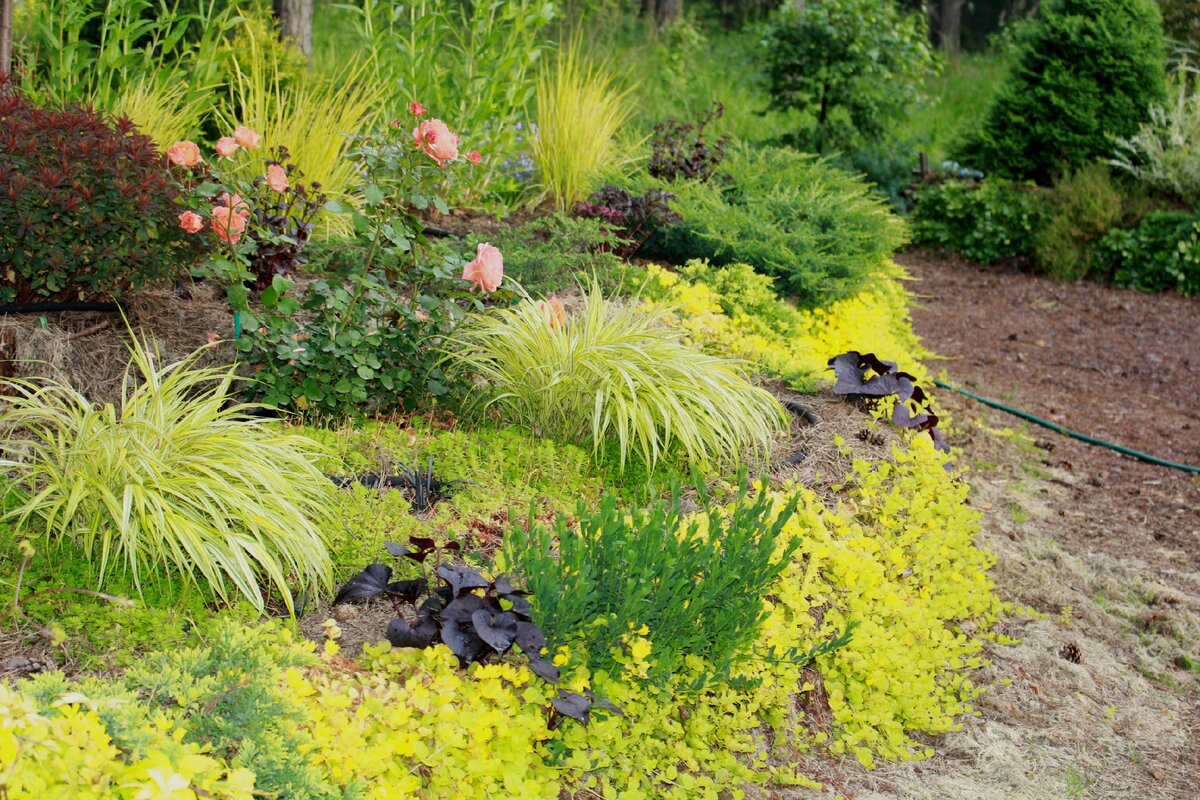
pixel 87 209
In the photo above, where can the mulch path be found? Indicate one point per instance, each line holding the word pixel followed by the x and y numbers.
pixel 1111 363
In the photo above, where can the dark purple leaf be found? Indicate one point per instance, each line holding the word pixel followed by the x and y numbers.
pixel 530 638
pixel 398 550
pixel 452 546
pixel 463 641
pixel 543 669
pixel 371 582
pixel 505 588
pixel 461 609
pixel 608 705
pixel 462 579
pixel 408 591
pixel 572 705
pixel 520 606
pixel 498 631
pixel 401 634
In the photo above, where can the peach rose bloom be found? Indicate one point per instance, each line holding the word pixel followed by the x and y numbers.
pixel 435 138
pixel 474 157
pixel 487 269
pixel 277 178
pixel 553 310
pixel 226 146
pixel 246 137
pixel 190 221
pixel 235 202
pixel 227 224
pixel 184 154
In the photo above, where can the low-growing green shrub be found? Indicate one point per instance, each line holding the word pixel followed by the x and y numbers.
pixel 853 67
pixel 358 348
pixel 612 370
pixel 697 583
pixel 1165 152
pixel 87 210
pixel 985 223
pixel 819 229
pixel 1162 253
pixel 556 252
pixel 1081 208
pixel 228 697
pixel 172 479
pixel 1088 70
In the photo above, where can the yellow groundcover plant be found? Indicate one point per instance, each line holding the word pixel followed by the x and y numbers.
pixel 896 555
pixel 734 312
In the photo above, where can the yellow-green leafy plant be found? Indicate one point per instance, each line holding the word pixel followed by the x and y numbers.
pixel 173 477
pixel 311 115
pixel 896 553
pixel 582 115
pixel 611 369
pixel 733 312
pixel 164 111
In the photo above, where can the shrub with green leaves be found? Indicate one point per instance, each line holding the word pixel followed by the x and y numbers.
pixel 614 371
pixel 1162 253
pixel 1088 70
pixel 821 230
pixel 853 67
pixel 985 223
pixel 172 479
pixel 1082 206
pixel 696 582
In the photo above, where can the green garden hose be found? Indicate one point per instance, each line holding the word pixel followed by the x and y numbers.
pixel 1066 431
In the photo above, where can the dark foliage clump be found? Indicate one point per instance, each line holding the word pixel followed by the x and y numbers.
pixel 282 228
pixel 863 377
pixel 87 206
pixel 633 217
pixel 682 153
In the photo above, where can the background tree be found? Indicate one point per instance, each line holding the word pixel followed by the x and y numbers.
pixel 295 23
pixel 853 67
pixel 6 34
pixel 1088 70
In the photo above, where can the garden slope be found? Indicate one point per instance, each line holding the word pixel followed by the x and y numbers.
pixel 1103 548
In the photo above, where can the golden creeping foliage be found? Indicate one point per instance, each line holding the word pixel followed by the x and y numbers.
pixel 734 312
pixel 68 752
pixel 897 555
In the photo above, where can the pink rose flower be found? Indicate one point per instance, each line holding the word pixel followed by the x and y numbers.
pixel 227 224
pixel 474 157
pixel 235 202
pixel 553 311
pixel 227 146
pixel 277 178
pixel 486 270
pixel 246 137
pixel 191 222
pixel 435 138
pixel 184 154
pixel 416 109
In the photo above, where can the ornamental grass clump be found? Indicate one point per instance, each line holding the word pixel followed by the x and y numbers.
pixel 614 370
pixel 172 478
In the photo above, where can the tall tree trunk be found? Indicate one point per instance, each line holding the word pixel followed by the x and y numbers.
pixel 950 25
pixel 6 34
pixel 668 11
pixel 295 23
